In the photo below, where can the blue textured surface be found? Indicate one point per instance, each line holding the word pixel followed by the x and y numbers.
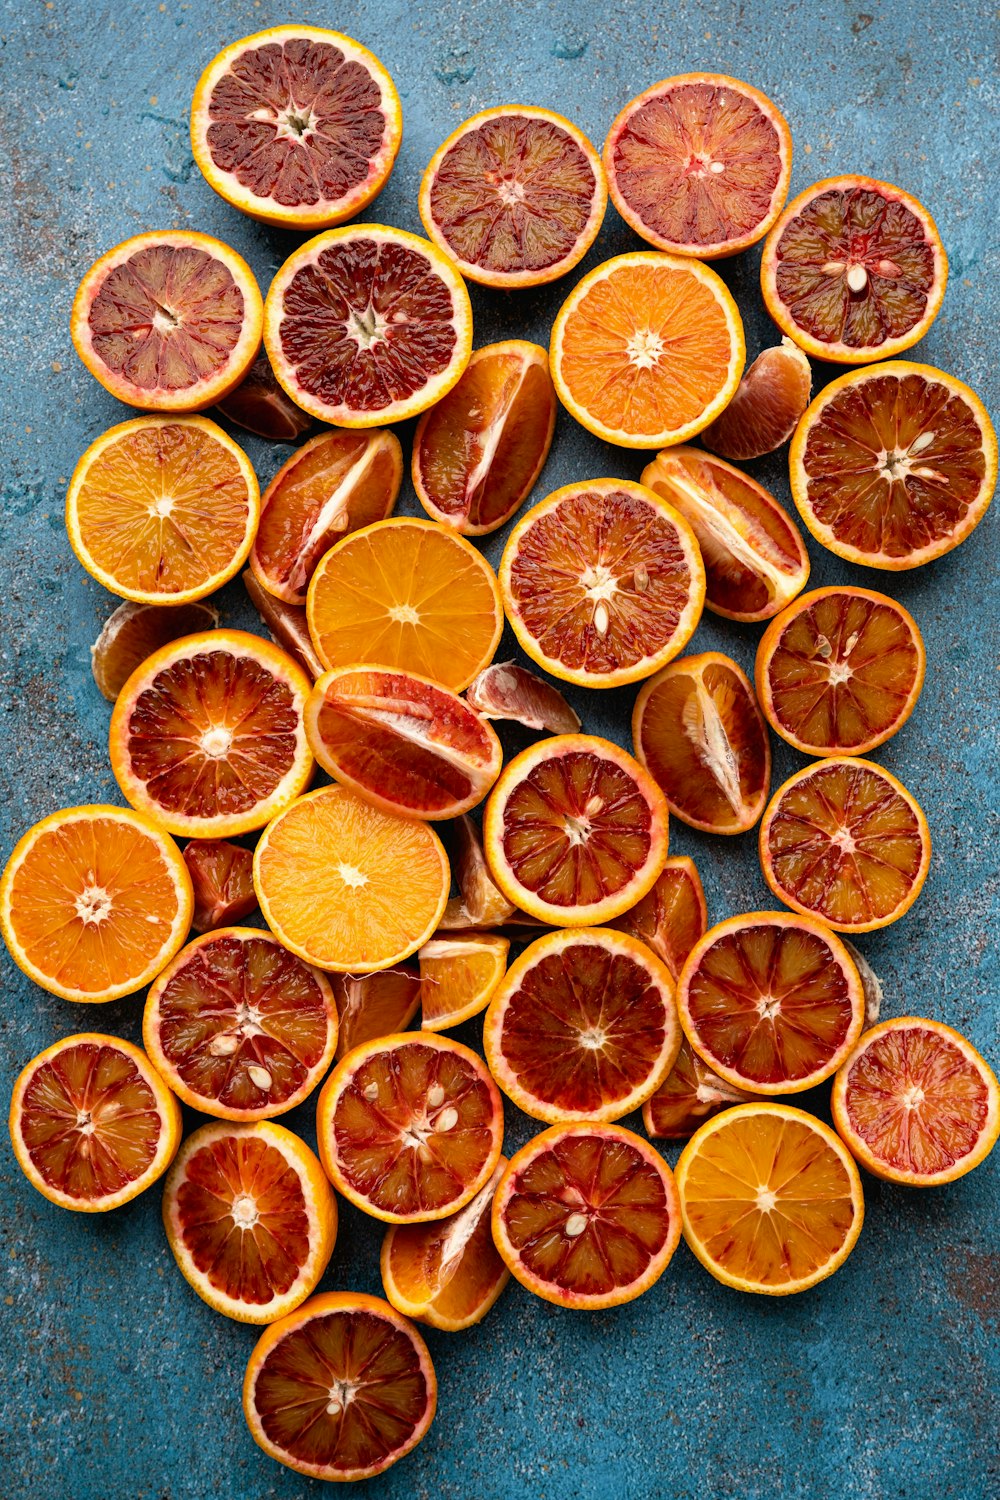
pixel 118 1384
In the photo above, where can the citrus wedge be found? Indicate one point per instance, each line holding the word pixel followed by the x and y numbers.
pixel 259 405
pixel 768 403
pixel 286 624
pixel 375 1005
pixel 458 978
pixel 222 878
pixel 481 902
pixel 672 916
pixel 690 1094
pixel 505 690
pixel 134 631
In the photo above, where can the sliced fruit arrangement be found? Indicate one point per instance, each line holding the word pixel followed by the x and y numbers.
pixel 672 916
pixel 690 1094
pixel 286 624
pixel 459 976
pixel 480 902
pixel 222 879
pixel 505 690
pixel 771 1199
pixel 250 1218
pixel 375 1005
pixel 768 403
pixel 844 841
pixel 259 405
pixel 134 631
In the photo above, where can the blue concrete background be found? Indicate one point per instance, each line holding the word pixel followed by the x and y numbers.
pixel 118 1384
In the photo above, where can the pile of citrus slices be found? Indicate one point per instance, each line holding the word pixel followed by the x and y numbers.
pixel 557 915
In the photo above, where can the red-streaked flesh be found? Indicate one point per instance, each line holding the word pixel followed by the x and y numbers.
pixel 286 625
pixel 672 916
pixel 768 403
pixel 508 691
pixel 374 1005
pixel 222 876
pixel 689 1095
pixel 259 405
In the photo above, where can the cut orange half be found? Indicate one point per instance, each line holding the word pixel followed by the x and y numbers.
pixel 672 916
pixel 458 977
pixel 132 632
pixel 375 1005
pixel 690 1094
pixel 763 414
pixel 222 879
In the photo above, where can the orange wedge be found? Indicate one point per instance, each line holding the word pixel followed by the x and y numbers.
pixel 690 1094
pixel 672 916
pixel 374 1005
pixel 132 632
pixel 458 977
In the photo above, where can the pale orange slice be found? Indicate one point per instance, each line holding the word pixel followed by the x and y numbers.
pixel 458 977
pixel 132 632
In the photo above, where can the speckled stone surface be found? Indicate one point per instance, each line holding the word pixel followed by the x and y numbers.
pixel 118 1384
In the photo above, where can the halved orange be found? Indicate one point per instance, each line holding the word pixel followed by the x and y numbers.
pixel 844 841
pixel 690 1094
pixel 133 632
pixel 374 1005
pixel 458 977
pixel 672 916
pixel 286 624
pixel 222 879
pixel 505 690
pixel 768 403
pixel 259 405
pixel 480 901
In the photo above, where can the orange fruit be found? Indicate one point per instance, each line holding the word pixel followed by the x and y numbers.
pixel 505 690
pixel 894 466
pixel 602 582
pixel 915 1103
pixel 222 878
pixel 367 324
pixel 854 270
pixel 250 1218
pixel 647 349
pixel 347 886
pixel 406 594
pixel 515 196
pixel 768 403
pixel 134 631
pixel 575 831
pixel 772 1003
pixel 672 916
pixel 771 1199
pixel 583 1026
pixel 207 736
pixel 286 624
pixel 169 321
pixel 458 977
pixel 163 510
pixel 296 126
pixel 587 1216
pixel 341 1388
pixel 332 485
pixel 698 731
pixel 410 1127
pixel 375 1005
pixel 94 901
pixel 401 741
pixel 259 405
pixel 478 452
pixel 91 1123
pixel 690 1094
pixel 481 902
pixel 239 1028
pixel 840 670
pixel 844 841
pixel 755 559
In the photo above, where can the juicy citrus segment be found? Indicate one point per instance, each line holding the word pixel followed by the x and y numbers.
pixel 771 1199
pixel 768 403
pixel 132 632
pixel 91 1123
pixel 480 902
pixel 163 509
pixel 346 886
pixel 672 916
pixel 94 901
pixel 844 841
pixel 375 1005
pixel 458 978
pixel 259 405
pixel 647 349
pixel 587 1216
pixel 410 1127
pixel 340 1389
pixel 505 690
pixel 690 1094
pixel 406 594
pixel 755 560
pixel 222 879
pixel 478 452
pixel 286 624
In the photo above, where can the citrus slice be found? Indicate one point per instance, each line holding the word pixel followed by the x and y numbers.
pixel 340 1389
pixel 690 1094
pixel 854 270
pixel 458 978
pixel 587 1216
pixel 840 670
pixel 894 466
pixel 478 452
pixel 406 594
pixel 515 196
pixel 402 741
pixel 410 1127
pixel 222 878
pixel 250 1218
pixel 366 325
pixel 672 916
pixel 915 1103
pixel 771 1199
pixel 755 559
pixel 286 624
pixel 163 510
pixel 296 126
pixel 207 736
pixel 575 831
pixel 583 1027
pixel 602 582
pixel 94 901
pixel 768 403
pixel 239 1028
pixel 698 731
pixel 647 349
pixel 332 485
pixel 91 1123
pixel 259 405
pixel 446 1273
pixel 770 1002
pixel 504 690
pixel 699 164
pixel 844 841
pixel 481 902
pixel 169 321
pixel 375 1005
pixel 134 631
pixel 346 886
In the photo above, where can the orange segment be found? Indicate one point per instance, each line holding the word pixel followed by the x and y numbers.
pixel 505 690
pixel 481 902
pixel 134 631
pixel 259 405
pixel 375 1005
pixel 672 916
pixel 222 878
pixel 690 1094
pixel 458 977
pixel 763 414
pixel 286 624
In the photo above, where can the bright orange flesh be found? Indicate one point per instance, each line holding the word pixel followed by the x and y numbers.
pixel 222 877
pixel 375 1005
pixel 763 414
pixel 690 1094
pixel 134 631
pixel 458 977
pixel 481 903
pixel 672 916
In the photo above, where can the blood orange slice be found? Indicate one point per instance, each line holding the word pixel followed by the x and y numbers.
pixel 458 977
pixel 587 1216
pixel 259 405
pixel 222 877
pixel 478 452
pixel 207 736
pixel 755 559
pixel 375 1005
pixel 239 1028
pixel 91 1123
pixel 134 631
pixel 854 270
pixel 915 1103
pixel 690 1094
pixel 410 1127
pixel 771 1002
pixel 287 626
pixel 764 413
pixel 504 690
pixel 480 903
pixel 296 126
pixel 672 916
pixel 844 841
pixel 340 1389
pixel 169 321
pixel 367 325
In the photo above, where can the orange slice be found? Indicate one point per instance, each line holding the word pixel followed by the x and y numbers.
pixel 768 403
pixel 286 624
pixel 134 631
pixel 690 1094
pixel 375 1005
pixel 505 690
pixel 480 901
pixel 259 405
pixel 458 977
pixel 222 878
pixel 672 916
